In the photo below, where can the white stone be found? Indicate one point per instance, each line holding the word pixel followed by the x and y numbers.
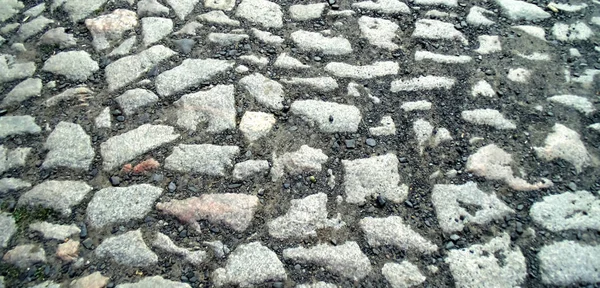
pixel 307 11
pixel 255 125
pixel 28 88
pixel 190 73
pixel 262 12
pixel 215 107
pixel 155 29
pixel 387 127
pixel 488 117
pixel 422 83
pixel 18 125
pixel 54 231
pixel 439 14
pixel 402 275
pixel 189 29
pixel 33 27
pixel 154 281
pixel 321 84
pixel 577 211
pixel 306 159
pixel 182 8
pixel 8 226
pixel 165 243
pixel 535 56
pixel 519 75
pixel 103 120
pixel 568 7
pixel 267 37
pixel 249 168
pixel 133 100
pixel 345 117
pixel 110 27
pixel 391 231
pixel 535 31
pixel 488 44
pixel 448 3
pixel 226 5
pixel 127 69
pixel 476 16
pixel 571 32
pixel 379 32
pixel 74 65
pixel 482 88
pixel 568 262
pixel 377 175
pixel 435 30
pixel 421 105
pixel 520 10
pixel 13 184
pixel 58 195
pixel 128 249
pixel 383 6
pixel 264 90
pixel 257 61
pixel 206 159
pixel 377 69
pixel 565 144
pixel 315 41
pixel 578 103
pixel 218 17
pixel 9 8
pixel 441 58
pixel 151 8
pixel 68 146
pixel 11 70
pixel 285 61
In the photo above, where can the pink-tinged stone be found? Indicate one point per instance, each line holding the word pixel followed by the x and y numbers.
pixel 110 27
pixel 94 280
pixel 68 251
pixel 234 210
pixel 24 256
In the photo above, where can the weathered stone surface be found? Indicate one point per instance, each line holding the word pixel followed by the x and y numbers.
pixel 578 103
pixel 441 58
pixel 306 159
pixel 392 231
pixel 565 144
pixel 483 88
pixel 182 8
pixel 11 159
pixel 155 29
pixel 303 218
pixel 206 159
pixel 519 75
pixel 58 195
pixel 12 184
pixel 379 32
pixel 154 281
pixel 233 210
pixel 31 87
pixel 218 17
pixel 435 29
pixel 579 210
pixel 477 16
pixel 124 147
pixel 151 8
pixel 81 93
pixel 127 69
pixel 54 231
pixel 216 107
pixel 346 260
pixel 376 175
pixel 493 163
pixel 191 72
pixel 568 262
pixel 489 117
pixel 383 6
pixel 534 31
pixel 250 264
pixel 572 32
pixel 189 29
pixel 254 60
pixel 110 27
pixel 264 90
pixel 315 41
pixel 8 228
pixel 165 243
pixel 9 8
pixel 387 127
pixel 11 70
pixel 18 125
pixel 321 84
pixel 402 275
pixel 68 251
pixel 488 44
pixel 124 48
pixel 319 284
pixel 285 61
pixel 261 12
pixel 520 10
pixel 24 256
pixel 422 83
pixel 134 99
pixel 345 117
pixel 480 265
pixel 255 125
pixel 94 280
pixel 267 37
pixel 424 135
pixel 226 39
pixel 74 65
pixel 78 9
pixel 377 69
pixel 121 204
pixel 249 168
pixel 68 146
pixel 33 27
pixel 128 249
pixel 304 12
pixel 450 201
pixel 226 5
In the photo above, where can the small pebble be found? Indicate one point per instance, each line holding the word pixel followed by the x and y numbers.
pixel 115 180
pixel 350 144
pixel 371 142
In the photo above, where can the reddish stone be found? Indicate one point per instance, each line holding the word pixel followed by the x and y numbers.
pixel 127 168
pixel 68 251
pixel 146 165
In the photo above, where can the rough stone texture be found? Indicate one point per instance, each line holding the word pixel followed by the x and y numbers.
pixel 402 275
pixel 206 159
pixel 121 204
pixel 110 27
pixel 494 163
pixel 435 29
pixel 124 48
pixel 571 32
pixel 264 90
pixel 267 37
pixel 12 184
pixel 303 218
pixel 387 127
pixel 249 168
pixel 578 103
pixel 128 249
pixel 376 175
pixel 11 159
pixel 262 12
pixel 519 75
pixel 346 260
pixel 480 265
pixel 9 8
pixel 218 17
pixel 392 231
pixel 11 70
pixel 124 147
pixel 225 39
pixel 182 8
pixel 450 206
pixel 383 6
pixel 416 105
pixel 579 211
pixel 189 29
pixel 233 210
pixel 377 69
pixel 151 8
pixel 345 117
pixel 103 119
pixel 306 159
pixel 319 284
pixel 216 107
pixel 250 264
pixel 477 16
pixel 441 58
pixel 422 83
pixel 31 87
pixel 321 84
pixel 285 61
pixel 18 125
pixel 488 117
pixel 133 100
pixel 68 251
pixel 154 282
pixel 568 262
pixel 255 125
pixel 127 69
pixel 520 10
pixel 58 195
pixel 565 144
pixel 78 9
pixel 58 37
pixel 24 256
pixel 81 93
pixel 155 29
pixel 94 280
pixel 254 60
pixel 33 27
pixel 226 5
pixel 379 32
pixel 315 41
pixel 165 243
pixel 190 73
pixel 54 231
pixel 8 228
pixel 74 65
pixel 306 11
pixel 68 146
pixel 534 31
pixel 483 88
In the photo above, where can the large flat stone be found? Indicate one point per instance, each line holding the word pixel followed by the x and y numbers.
pixel 74 65
pixel 379 32
pixel 128 249
pixel 8 227
pixel 565 144
pixel 109 28
pixel 578 211
pixel 190 73
pixel 249 265
pixel 58 195
pixel 204 159
pixel 9 8
pixel 13 184
pixel 182 8
pixel 31 87
pixel 568 262
pixel 68 146
pixel 520 10
pixel 134 99
pixel 377 69
pixel 127 69
pixel 306 159
pixel 264 90
pixel 262 12
pixel 345 117
pixel 18 125
pixel 402 275
pixel 215 107
pixel 315 41
pixel 392 231
pixel 11 70
pixel 376 175
pixel 13 158
pixel 79 9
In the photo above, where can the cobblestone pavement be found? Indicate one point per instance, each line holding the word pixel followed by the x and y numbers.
pixel 256 143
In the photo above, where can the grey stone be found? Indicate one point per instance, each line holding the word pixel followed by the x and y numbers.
pixel 489 117
pixel 571 32
pixel 387 127
pixel 110 27
pixel 345 117
pixel 154 282
pixel 47 284
pixel 248 168
pixel 9 27
pixel 155 29
pixel 127 69
pixel 319 284
pixel 182 7
pixel 12 184
pixel 254 60
pixel 565 144
pixel 124 147
pixel 315 41
pixel 165 243
pixel 261 12
pixel 121 204
pixel 376 175
pixel 8 227
pixel 216 107
pixel 264 90
pixel 18 125
pixel 31 87
pixel 81 93
pixel 303 218
pixel 218 248
pixel 33 27
pixel 306 159
pixel 54 231
pixel 11 70
pixel 250 264
pixel 346 260
pixel 124 48
pixel 568 262
pixel 383 6
pixel 127 249
pixel 307 11
pixel 267 37
pixel 493 264
pixel 78 9
pixel 377 69
pixel 68 146
pixel 520 10
pixel 285 61
pixel 402 275
pixel 189 29
pixel 190 73
pixel 151 8
pixel 581 104
pixel 218 17
pixel 74 65
pixel 255 125
pixel 435 29
pixel 579 211
pixel 226 5
pixel 476 16
pixel 18 48
pixel 206 159
pixel 35 10
pixel 379 32
pixel 13 158
pixel 449 201
pixel 58 195
pixel 185 45
pixel 9 8
pixel 393 232
pixel 133 100
pixel 226 39
pixel 103 119
pixel 24 256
